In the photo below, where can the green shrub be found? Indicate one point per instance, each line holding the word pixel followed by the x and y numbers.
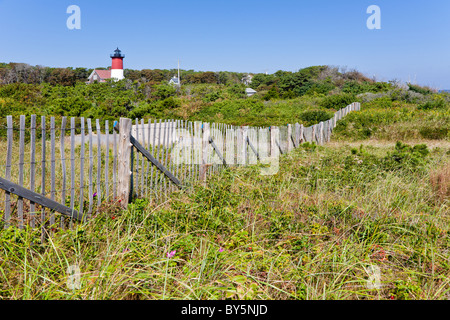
pixel 382 102
pixel 271 94
pixel 170 103
pixel 164 91
pixel 406 157
pixel 212 96
pixel 337 101
pixel 289 94
pixel 236 91
pixel 140 111
pixel 419 89
pixel 70 106
pixel 263 80
pixel 355 87
pixel 438 103
pixel 315 116
pixel 316 88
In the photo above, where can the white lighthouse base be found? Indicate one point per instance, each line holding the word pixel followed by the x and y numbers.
pixel 117 74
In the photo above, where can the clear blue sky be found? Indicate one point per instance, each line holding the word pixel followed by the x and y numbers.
pixel 235 35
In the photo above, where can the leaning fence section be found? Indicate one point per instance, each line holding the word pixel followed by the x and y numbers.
pixel 54 172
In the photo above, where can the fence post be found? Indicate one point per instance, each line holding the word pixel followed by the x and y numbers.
pixel 230 146
pixel 238 133
pixel 289 135
pixel 205 145
pixel 301 135
pixel 124 167
pixel 274 135
pixel 321 131
pixel 244 145
pixel 330 129
pixel 9 152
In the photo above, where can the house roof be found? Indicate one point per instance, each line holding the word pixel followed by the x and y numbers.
pixel 104 74
pixel 174 80
pixel 250 90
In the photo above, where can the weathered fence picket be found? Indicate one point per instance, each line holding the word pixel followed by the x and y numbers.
pixel 107 161
pixel 52 166
pixel 152 182
pixel 147 165
pixel 9 151
pixel 124 153
pixel 158 156
pixel 72 166
pixel 32 167
pixel 82 156
pixel 43 147
pixel 115 153
pixel 21 164
pixel 63 164
pixel 98 194
pixel 136 163
pixel 91 169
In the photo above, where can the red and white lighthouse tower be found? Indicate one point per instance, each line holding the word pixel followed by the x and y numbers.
pixel 117 65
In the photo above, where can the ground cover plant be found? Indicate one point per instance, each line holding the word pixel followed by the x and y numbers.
pixel 375 198
pixel 312 231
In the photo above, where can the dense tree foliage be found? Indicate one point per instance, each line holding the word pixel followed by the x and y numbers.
pixel 307 96
pixel 315 80
pixel 24 73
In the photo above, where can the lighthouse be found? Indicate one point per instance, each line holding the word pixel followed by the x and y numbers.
pixel 117 65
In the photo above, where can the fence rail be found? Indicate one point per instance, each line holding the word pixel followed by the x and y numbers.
pixel 80 167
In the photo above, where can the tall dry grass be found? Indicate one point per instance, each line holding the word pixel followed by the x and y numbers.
pixel 440 182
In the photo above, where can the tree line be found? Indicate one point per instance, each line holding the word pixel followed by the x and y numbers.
pixel 24 73
pixel 314 80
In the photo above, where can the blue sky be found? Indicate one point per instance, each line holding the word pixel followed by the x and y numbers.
pixel 235 35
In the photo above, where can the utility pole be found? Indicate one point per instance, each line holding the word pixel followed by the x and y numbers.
pixel 179 80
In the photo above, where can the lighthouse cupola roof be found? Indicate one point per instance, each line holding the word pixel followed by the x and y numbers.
pixel 117 54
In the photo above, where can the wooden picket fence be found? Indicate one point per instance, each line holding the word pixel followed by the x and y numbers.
pixel 81 169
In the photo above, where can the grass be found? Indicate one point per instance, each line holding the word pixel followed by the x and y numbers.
pixel 312 231
pixel 315 230
pixel 395 121
pixel 440 180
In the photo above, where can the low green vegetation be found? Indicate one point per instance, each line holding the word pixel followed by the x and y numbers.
pixel 312 231
pixel 385 118
pixel 308 96
pixel 377 196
